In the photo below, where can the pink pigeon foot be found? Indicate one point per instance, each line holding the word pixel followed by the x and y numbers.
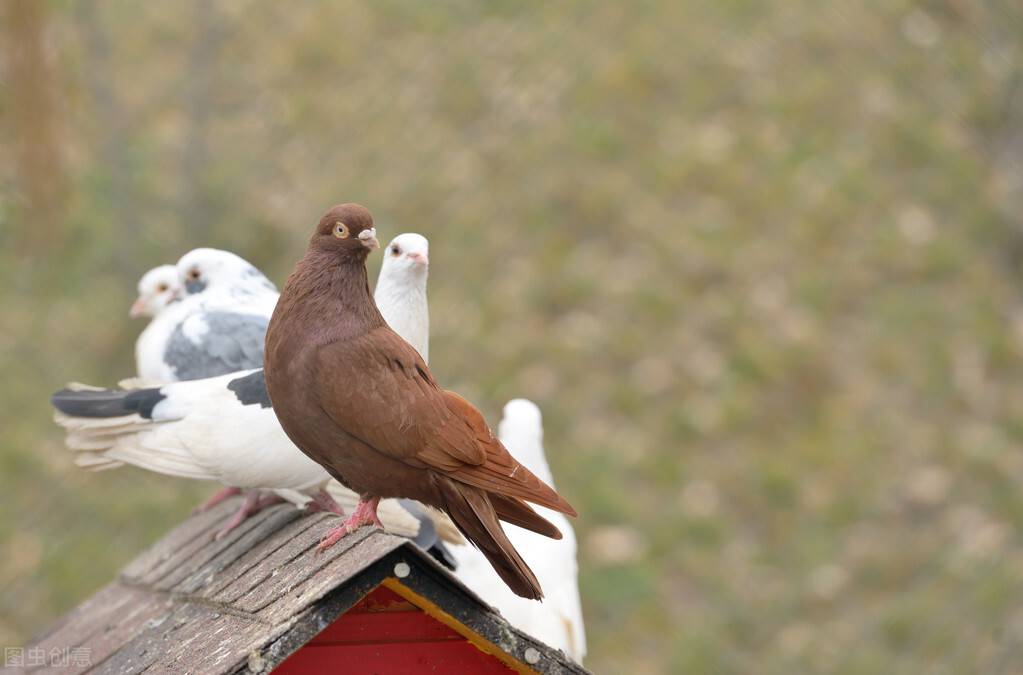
pixel 221 495
pixel 322 502
pixel 364 514
pixel 255 501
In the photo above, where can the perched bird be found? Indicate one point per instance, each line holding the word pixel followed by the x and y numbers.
pixel 216 328
pixel 558 621
pixel 358 399
pixel 224 429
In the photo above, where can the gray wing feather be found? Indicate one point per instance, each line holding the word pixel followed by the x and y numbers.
pixel 233 342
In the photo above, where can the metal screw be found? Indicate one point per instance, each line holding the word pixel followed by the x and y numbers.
pixel 402 570
pixel 532 656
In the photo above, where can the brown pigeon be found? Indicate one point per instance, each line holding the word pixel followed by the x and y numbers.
pixel 361 401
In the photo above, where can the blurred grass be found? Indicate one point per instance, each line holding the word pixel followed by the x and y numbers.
pixel 757 262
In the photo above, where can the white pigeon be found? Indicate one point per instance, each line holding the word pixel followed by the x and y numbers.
pixel 217 327
pixel 558 620
pixel 223 428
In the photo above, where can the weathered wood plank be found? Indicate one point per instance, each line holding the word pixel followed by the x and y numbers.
pixel 165 577
pixel 260 552
pixel 182 535
pixel 150 610
pixel 210 643
pixel 190 639
pixel 69 628
pixel 103 623
pixel 195 553
pixel 142 650
pixel 283 573
pixel 275 561
pixel 223 563
pixel 294 592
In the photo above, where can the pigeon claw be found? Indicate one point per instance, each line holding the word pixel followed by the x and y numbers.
pixel 221 495
pixel 333 536
pixel 364 514
pixel 253 504
pixel 322 502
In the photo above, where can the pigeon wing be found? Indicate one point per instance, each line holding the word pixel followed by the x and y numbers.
pixel 216 343
pixel 377 388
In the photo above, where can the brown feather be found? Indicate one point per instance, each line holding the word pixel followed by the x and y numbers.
pixel 423 425
pixel 503 474
pixel 474 515
pixel 517 512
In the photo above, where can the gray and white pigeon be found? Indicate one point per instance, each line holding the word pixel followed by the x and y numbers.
pixel 558 621
pixel 224 429
pixel 217 327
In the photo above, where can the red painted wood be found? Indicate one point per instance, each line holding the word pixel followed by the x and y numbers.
pixel 385 627
pixel 437 658
pixel 383 599
pixel 383 633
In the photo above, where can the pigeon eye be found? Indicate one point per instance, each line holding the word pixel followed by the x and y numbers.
pixel 340 230
pixel 396 250
pixel 194 274
pixel 160 288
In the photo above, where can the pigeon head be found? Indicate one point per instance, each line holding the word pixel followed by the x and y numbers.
pixel 347 231
pixel 158 288
pixel 521 416
pixel 205 269
pixel 521 430
pixel 407 255
pixel 401 290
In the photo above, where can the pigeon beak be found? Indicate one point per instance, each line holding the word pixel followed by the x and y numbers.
pixel 419 258
pixel 368 238
pixel 138 308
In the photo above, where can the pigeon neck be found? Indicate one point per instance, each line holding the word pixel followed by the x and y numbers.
pixel 337 296
pixel 402 302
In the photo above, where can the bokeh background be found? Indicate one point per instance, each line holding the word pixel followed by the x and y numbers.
pixel 759 263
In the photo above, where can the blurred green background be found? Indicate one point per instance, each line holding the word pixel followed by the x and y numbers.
pixel 757 262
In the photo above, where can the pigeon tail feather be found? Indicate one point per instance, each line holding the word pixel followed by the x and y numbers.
pixel 517 512
pixel 106 402
pixel 474 514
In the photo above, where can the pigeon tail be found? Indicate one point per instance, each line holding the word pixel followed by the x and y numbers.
pixel 500 472
pixel 443 555
pixel 515 511
pixel 106 402
pixel 475 516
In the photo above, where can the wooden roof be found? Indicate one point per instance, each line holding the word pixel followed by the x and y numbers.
pixel 244 603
